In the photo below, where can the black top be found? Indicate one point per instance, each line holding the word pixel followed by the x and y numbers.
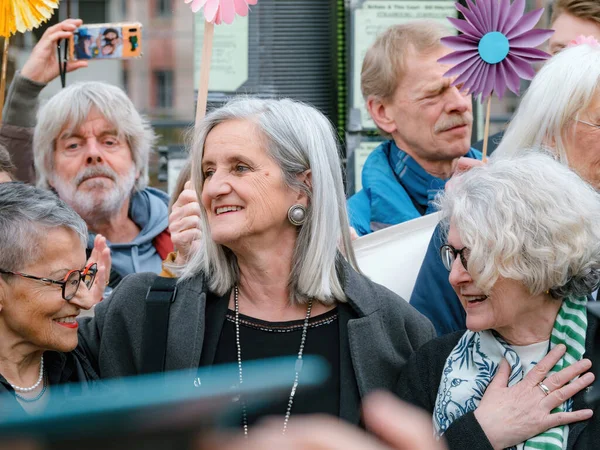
pixel 419 381
pixel 260 339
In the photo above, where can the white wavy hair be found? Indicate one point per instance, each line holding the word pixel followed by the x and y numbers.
pixel 298 138
pixel 548 111
pixel 529 218
pixel 71 107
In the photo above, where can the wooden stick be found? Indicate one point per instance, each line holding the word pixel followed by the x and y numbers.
pixel 3 76
pixel 486 130
pixel 207 46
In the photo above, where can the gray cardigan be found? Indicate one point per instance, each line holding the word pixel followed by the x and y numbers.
pixel 378 332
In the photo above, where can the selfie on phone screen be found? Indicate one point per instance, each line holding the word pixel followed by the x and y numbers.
pixel 107 41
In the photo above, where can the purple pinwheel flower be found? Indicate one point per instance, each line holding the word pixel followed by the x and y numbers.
pixel 497 46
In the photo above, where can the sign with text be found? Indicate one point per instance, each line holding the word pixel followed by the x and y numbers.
pixel 229 65
pixel 372 17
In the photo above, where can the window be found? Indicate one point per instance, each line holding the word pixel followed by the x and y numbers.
pixel 164 8
pixel 164 88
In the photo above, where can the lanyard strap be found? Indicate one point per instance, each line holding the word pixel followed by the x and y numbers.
pixel 62 61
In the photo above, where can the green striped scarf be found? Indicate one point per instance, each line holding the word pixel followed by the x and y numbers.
pixel 474 361
pixel 569 329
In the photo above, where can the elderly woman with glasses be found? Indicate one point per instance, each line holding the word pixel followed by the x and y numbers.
pixel 274 274
pixel 523 251
pixel 561 113
pixel 44 283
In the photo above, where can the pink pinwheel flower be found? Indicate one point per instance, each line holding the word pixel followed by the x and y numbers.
pixel 497 46
pixel 580 40
pixel 217 11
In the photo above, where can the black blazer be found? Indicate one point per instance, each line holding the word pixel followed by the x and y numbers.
pixel 378 333
pixel 419 381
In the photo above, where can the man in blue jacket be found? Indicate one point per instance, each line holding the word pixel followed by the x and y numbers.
pixel 432 295
pixel 428 123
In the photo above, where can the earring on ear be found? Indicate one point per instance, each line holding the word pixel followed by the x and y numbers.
pixel 297 215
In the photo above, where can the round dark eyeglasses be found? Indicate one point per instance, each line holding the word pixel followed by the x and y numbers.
pixel 71 281
pixel 448 254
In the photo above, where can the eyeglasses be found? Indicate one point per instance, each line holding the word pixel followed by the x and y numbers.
pixel 589 124
pixel 448 254
pixel 70 283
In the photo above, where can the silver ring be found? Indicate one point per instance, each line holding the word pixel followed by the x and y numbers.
pixel 544 388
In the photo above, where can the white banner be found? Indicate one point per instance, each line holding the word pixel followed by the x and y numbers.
pixel 393 256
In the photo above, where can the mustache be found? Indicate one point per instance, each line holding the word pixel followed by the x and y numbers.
pixel 453 121
pixel 91 172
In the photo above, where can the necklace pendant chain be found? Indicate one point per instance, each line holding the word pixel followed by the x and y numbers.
pixel 297 368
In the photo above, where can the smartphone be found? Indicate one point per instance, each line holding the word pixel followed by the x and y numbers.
pixel 107 41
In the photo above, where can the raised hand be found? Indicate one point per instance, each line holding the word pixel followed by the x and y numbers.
pixel 42 65
pixel 511 415
pixel 101 256
pixel 184 224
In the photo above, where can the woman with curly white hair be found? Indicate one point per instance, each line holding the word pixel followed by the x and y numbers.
pixel 523 251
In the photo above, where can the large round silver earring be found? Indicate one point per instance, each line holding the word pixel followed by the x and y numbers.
pixel 297 215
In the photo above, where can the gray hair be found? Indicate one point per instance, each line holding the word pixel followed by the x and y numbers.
pixel 27 213
pixel 526 217
pixel 548 111
pixel 71 107
pixel 298 138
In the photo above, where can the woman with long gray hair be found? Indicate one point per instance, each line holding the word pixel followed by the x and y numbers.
pixel 275 273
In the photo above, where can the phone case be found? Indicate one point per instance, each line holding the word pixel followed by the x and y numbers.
pixel 106 41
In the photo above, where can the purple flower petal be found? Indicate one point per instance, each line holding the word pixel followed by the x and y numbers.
pixel 458 68
pixel 457 57
pixel 494 15
pixel 478 13
pixel 531 38
pixel 481 73
pixel 465 27
pixel 512 78
pixel 521 66
pixel 471 18
pixel 501 81
pixel 503 15
pixel 482 7
pixel 525 23
pixel 466 73
pixel 514 14
pixel 514 81
pixel 462 42
pixel 532 54
pixel 489 82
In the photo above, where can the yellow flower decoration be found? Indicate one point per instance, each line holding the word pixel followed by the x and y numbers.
pixel 24 15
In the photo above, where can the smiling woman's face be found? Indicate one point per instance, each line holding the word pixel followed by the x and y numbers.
pixel 244 193
pixel 502 309
pixel 34 313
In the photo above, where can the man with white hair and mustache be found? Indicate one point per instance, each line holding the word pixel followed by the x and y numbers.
pixel 428 123
pixel 91 146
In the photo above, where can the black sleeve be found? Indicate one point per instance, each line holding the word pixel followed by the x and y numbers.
pixel 19 119
pixel 416 382
pixel 466 433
